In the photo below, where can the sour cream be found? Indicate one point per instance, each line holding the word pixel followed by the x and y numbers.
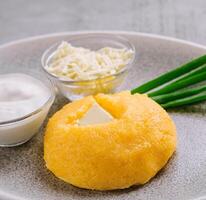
pixel 24 104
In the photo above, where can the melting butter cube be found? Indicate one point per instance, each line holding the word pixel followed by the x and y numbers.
pixel 95 115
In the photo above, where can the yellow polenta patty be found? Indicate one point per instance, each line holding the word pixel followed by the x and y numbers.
pixel 129 150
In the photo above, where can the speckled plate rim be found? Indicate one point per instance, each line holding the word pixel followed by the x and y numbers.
pixel 7 196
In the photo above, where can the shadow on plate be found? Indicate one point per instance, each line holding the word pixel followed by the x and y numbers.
pixel 198 109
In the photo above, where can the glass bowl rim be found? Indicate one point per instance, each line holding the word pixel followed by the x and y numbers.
pixel 51 98
pixel 117 38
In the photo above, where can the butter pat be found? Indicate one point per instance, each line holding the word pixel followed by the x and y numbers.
pixel 95 115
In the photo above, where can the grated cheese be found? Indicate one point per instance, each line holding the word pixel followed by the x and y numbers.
pixel 78 63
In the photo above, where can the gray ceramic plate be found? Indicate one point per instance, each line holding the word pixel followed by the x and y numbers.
pixel 22 171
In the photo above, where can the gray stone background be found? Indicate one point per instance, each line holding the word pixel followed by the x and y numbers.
pixel 185 19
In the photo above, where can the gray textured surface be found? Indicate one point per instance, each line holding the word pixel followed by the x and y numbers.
pixel 177 18
pixel 22 170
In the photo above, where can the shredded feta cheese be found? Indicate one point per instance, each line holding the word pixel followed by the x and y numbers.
pixel 78 63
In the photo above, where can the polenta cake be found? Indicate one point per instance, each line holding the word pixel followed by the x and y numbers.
pixel 129 149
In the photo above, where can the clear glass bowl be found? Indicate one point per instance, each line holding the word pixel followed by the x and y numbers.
pixel 76 89
pixel 18 131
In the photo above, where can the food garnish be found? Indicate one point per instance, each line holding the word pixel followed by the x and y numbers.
pixel 95 115
pixel 167 88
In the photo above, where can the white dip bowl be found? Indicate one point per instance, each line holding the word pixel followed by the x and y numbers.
pixel 24 105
